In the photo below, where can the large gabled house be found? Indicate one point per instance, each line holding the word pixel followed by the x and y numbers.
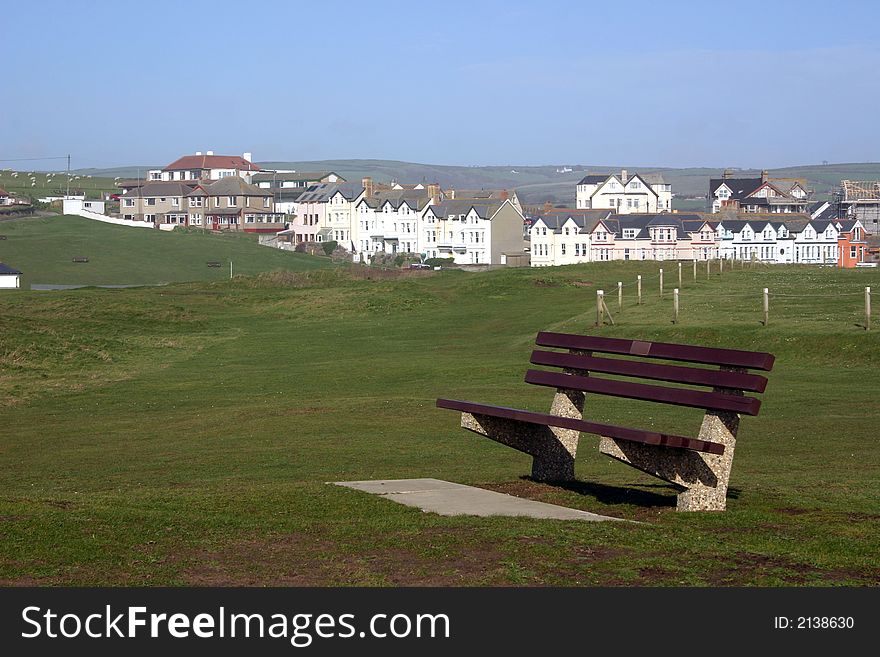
pixel 759 195
pixel 624 193
pixel 205 168
pixel 233 204
pixel 158 203
pixel 388 221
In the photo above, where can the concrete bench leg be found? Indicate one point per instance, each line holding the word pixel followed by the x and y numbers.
pixel 704 477
pixel 553 449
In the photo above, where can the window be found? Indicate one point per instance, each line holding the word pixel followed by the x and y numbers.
pixel 216 201
pixel 563 248
pixel 852 252
pixel 129 203
pixel 175 202
pixel 151 201
pixel 230 200
pixel 266 200
pixel 629 233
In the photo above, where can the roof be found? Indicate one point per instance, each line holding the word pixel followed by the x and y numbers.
pixel 860 190
pixel 295 176
pixel 586 220
pixel 594 179
pixel 233 186
pixel 3 192
pixel 414 198
pixel 739 187
pixel 6 269
pixel 151 189
pixel 484 209
pixel 195 162
pixel 321 192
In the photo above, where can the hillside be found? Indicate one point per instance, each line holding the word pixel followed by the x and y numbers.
pixel 44 250
pixel 536 184
pixel 185 434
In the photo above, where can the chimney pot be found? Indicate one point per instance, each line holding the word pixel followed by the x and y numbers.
pixel 764 175
pixel 367 183
pixel 623 176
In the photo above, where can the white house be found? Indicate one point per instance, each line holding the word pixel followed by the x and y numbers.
pixel 781 241
pixel 10 279
pixel 623 193
pixel 206 167
pixel 472 231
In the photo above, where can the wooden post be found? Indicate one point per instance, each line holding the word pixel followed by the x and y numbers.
pixel 867 308
pixel 695 269
pixel 620 295
pixel 675 306
pixel 721 265
pixel 708 267
pixel 600 307
pixel 766 306
pixel 679 275
pixel 639 288
pixel 661 283
pixel 230 270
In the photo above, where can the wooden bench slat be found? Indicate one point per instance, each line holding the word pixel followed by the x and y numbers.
pixel 655 371
pixel 678 396
pixel 607 430
pixel 687 353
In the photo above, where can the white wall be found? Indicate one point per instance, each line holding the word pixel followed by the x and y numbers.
pixel 9 281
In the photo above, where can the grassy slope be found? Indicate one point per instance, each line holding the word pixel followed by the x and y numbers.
pixel 185 434
pixel 55 185
pixel 44 249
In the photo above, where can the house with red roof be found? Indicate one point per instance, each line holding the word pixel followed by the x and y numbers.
pixel 206 167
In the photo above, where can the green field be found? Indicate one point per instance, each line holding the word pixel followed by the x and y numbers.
pixel 37 184
pixel 185 434
pixel 43 250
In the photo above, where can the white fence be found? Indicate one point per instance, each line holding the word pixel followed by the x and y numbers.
pixel 75 206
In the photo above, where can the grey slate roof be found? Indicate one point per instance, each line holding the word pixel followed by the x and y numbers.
pixel 739 187
pixel 233 186
pixel 484 209
pixel 165 189
pixel 295 176
pixel 6 269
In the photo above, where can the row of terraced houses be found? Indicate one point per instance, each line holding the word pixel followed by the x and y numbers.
pixel 619 216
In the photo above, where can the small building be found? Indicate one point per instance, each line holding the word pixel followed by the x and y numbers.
pixel 763 195
pixel 5 198
pixel 10 279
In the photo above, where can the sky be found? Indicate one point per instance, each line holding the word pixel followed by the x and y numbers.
pixel 641 83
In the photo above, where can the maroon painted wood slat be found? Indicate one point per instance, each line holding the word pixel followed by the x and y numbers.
pixel 678 396
pixel 687 353
pixel 607 430
pixel 654 371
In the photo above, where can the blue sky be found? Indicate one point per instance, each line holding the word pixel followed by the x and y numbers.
pixel 641 83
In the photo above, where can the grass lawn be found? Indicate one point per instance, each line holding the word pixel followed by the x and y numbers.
pixel 185 434
pixel 44 248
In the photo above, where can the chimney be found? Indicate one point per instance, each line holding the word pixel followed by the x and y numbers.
pixel 623 176
pixel 198 152
pixel 504 195
pixel 727 174
pixel 434 192
pixel 248 156
pixel 209 153
pixel 368 186
pixel 547 206
pixel 764 175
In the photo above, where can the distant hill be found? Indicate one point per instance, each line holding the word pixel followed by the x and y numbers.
pixel 536 184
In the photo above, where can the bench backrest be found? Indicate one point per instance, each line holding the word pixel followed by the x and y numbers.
pixel 726 385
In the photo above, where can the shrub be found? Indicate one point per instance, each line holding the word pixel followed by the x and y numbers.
pixel 329 247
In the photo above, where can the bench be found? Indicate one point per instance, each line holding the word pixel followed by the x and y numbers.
pixel 699 466
pixel 213 263
pixel 80 259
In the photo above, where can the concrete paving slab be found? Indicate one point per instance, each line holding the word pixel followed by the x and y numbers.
pixel 450 499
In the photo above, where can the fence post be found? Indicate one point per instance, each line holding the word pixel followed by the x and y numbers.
pixel 867 308
pixel 620 295
pixel 708 268
pixel 679 275
pixel 695 269
pixel 766 306
pixel 230 269
pixel 661 283
pixel 639 288
pixel 600 307
pixel 675 306
pixel 721 265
